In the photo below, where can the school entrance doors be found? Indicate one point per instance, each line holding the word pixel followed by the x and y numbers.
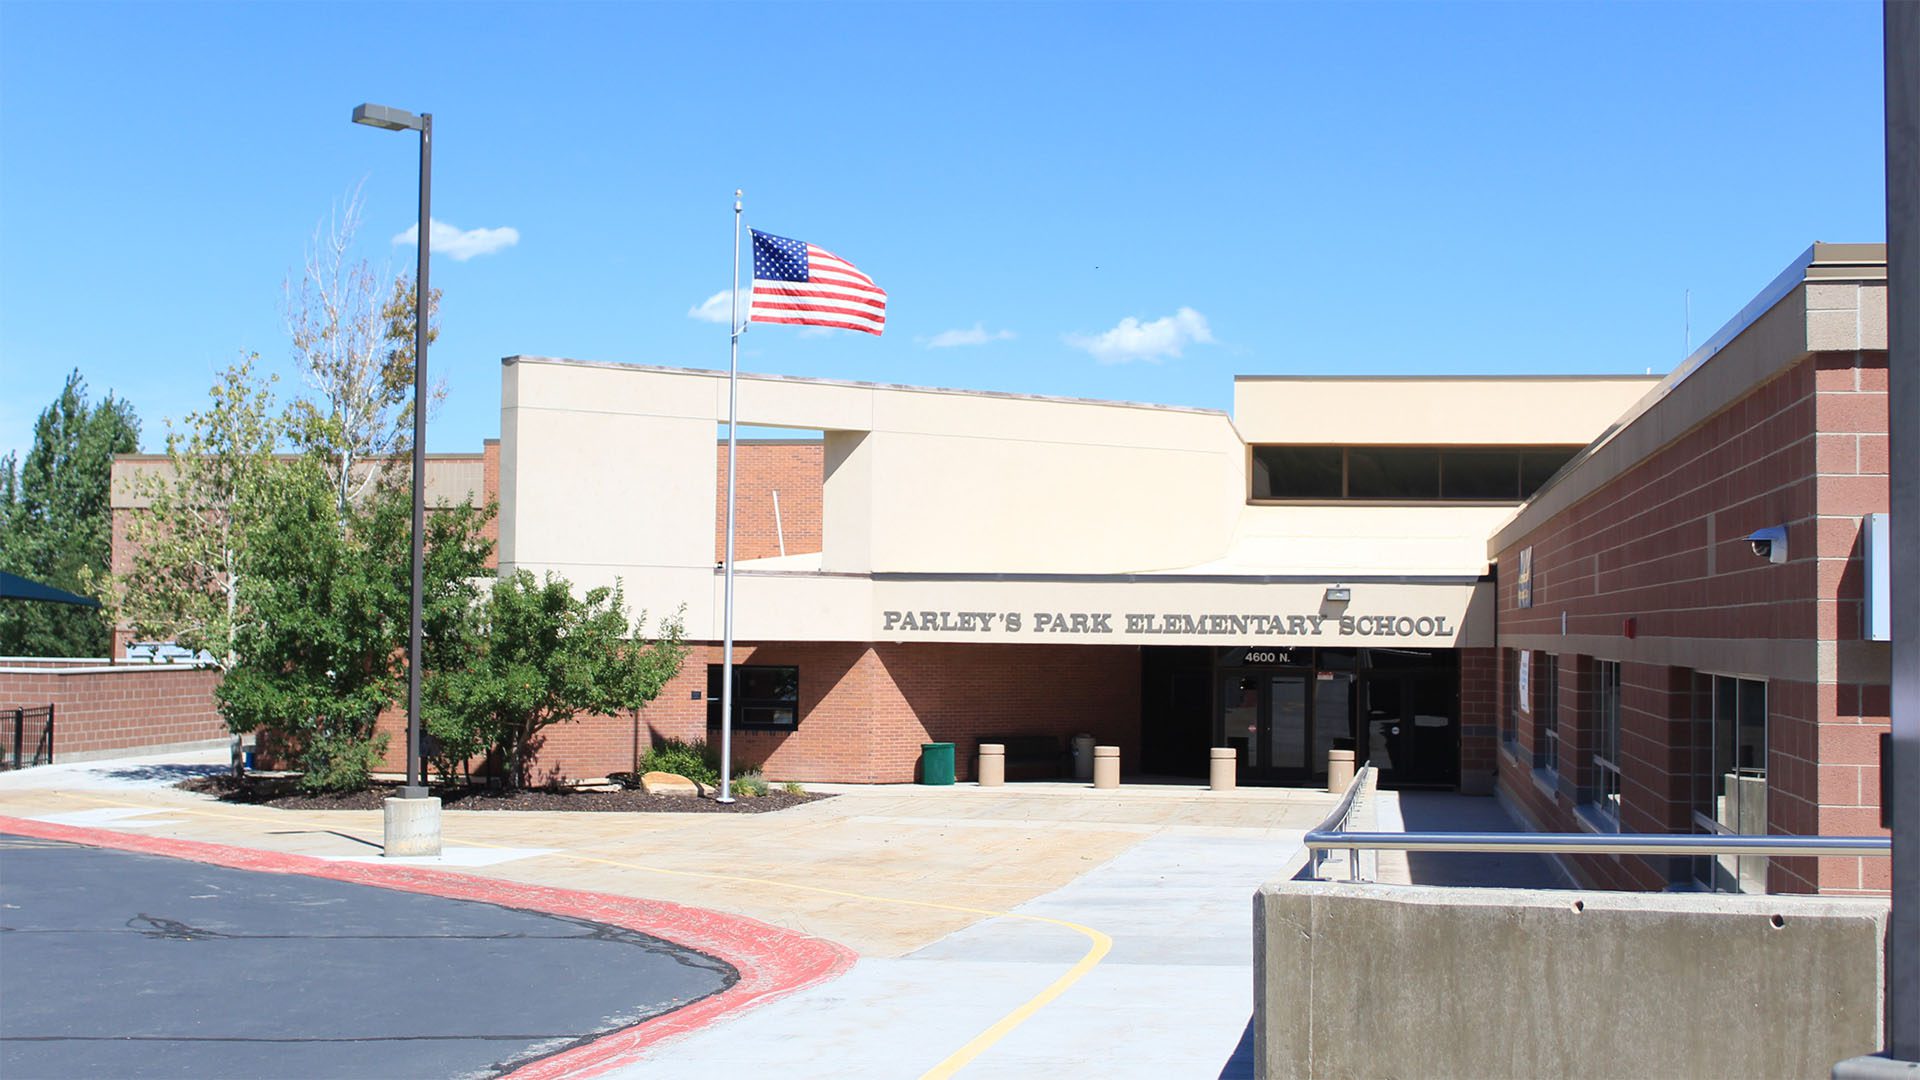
pixel 1283 709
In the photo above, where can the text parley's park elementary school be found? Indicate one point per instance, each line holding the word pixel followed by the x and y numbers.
pixel 1102 622
pixel 1541 586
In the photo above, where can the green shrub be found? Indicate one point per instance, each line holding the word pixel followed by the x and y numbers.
pixel 340 762
pixel 693 760
pixel 792 788
pixel 750 784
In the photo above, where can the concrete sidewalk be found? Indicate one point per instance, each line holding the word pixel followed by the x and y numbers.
pixel 1443 811
pixel 1173 997
pixel 956 899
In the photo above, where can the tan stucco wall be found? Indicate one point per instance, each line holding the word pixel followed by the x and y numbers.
pixel 1392 411
pixel 916 479
pixel 945 501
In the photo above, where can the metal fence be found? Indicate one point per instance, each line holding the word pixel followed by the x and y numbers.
pixel 27 729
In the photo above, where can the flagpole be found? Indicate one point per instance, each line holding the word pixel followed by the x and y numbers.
pixel 733 423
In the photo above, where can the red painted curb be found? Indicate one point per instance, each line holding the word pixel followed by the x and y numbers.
pixel 772 962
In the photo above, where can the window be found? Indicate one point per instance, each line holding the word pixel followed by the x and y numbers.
pixel 1392 472
pixel 1546 713
pixel 1730 776
pixel 764 697
pixel 1404 473
pixel 1604 785
pixel 1297 472
pixel 1479 475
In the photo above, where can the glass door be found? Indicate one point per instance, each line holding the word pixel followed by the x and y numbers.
pixel 1287 728
pixel 1240 720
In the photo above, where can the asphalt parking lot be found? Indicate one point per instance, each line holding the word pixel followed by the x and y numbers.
pixel 115 964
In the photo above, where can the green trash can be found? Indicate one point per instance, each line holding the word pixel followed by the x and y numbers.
pixel 936 763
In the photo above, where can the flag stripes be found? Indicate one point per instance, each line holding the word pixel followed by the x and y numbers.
pixel 798 284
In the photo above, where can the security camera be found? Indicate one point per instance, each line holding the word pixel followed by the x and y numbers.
pixel 1770 544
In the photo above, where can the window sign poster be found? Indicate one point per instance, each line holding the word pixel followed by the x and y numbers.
pixel 1523 584
pixel 1525 690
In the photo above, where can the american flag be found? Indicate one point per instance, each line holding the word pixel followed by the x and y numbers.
pixel 802 285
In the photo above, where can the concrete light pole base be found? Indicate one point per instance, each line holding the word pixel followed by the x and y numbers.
pixel 413 827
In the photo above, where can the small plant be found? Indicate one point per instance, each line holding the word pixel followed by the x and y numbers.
pixel 693 760
pixel 793 788
pixel 750 783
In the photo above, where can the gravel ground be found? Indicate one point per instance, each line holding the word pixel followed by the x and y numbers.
pixel 625 801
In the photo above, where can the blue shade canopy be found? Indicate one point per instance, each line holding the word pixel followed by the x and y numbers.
pixel 15 587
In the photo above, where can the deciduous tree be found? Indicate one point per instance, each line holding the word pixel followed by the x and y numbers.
pixel 352 335
pixel 323 645
pixel 184 582
pixel 537 655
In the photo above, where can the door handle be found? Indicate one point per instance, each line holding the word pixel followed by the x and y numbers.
pixel 1394 730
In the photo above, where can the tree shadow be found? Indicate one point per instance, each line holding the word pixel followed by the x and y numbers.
pixel 164 774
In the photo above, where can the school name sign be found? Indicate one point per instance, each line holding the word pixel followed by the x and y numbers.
pixel 1183 624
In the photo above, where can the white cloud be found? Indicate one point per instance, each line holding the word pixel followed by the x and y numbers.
pixel 1151 341
pixel 462 244
pixel 714 309
pixel 979 335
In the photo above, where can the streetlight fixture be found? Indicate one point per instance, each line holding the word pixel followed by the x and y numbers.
pixel 413 819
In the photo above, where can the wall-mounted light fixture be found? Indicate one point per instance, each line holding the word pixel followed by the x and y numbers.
pixel 1338 594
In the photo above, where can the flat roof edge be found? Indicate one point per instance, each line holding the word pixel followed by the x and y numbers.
pixel 856 384
pixel 1600 377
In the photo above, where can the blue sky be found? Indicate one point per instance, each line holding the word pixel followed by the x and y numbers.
pixel 1365 188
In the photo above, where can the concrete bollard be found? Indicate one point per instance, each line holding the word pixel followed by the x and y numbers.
pixel 412 827
pixel 1106 766
pixel 1223 768
pixel 992 771
pixel 1339 770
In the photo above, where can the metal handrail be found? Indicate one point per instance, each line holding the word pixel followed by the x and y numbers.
pixel 1335 824
pixel 1600 843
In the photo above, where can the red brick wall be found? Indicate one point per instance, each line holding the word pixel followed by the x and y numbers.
pixel 865 709
pixel 796 471
pixel 1480 675
pixel 490 493
pixel 1835 763
pixel 130 707
pixel 1664 544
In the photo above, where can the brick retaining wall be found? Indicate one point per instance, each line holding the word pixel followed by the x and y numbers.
pixel 105 711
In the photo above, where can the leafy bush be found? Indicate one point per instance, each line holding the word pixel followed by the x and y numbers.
pixel 340 761
pixel 792 788
pixel 750 784
pixel 693 760
pixel 533 654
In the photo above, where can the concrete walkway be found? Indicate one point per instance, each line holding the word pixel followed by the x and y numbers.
pixel 1173 997
pixel 1441 811
pixel 1001 932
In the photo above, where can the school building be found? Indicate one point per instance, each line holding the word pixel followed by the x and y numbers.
pixel 1618 603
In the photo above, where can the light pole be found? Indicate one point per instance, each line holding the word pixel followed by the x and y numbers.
pixel 413 820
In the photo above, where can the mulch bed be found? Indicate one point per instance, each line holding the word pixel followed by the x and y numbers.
pixel 277 794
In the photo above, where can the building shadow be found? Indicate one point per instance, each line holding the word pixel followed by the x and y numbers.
pixel 1445 811
pixel 1239 1064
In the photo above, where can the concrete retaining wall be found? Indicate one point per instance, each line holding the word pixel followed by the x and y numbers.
pixel 1404 981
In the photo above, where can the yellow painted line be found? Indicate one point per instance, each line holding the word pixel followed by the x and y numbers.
pixel 1100 944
